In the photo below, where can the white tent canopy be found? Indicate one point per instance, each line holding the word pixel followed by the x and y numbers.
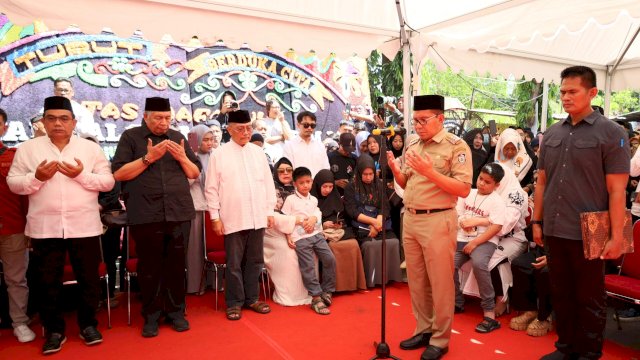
pixel 534 38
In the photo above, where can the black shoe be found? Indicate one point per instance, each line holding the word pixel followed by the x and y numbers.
pixel 487 325
pixel 179 323
pixel 91 335
pixel 54 343
pixel 150 328
pixel 433 353
pixel 415 342
pixel 458 309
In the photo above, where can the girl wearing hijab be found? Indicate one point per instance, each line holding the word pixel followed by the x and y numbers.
pixel 512 154
pixel 349 269
pixel 512 243
pixel 194 251
pixel 365 197
pixel 280 260
pixel 373 145
pixel 479 154
pixel 396 145
pixel 361 143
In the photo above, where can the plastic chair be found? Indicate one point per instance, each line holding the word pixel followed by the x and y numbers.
pixel 625 285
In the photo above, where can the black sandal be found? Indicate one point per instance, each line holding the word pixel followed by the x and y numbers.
pixel 327 299
pixel 319 307
pixel 260 307
pixel 234 313
pixel 487 325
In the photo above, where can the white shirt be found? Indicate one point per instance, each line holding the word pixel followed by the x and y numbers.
pixel 635 171
pixel 311 155
pixel 239 187
pixel 274 128
pixel 305 206
pixel 482 206
pixel 61 207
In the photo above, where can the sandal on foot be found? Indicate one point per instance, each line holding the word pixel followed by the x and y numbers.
pixel 234 313
pixel 260 307
pixel 319 307
pixel 487 325
pixel 326 298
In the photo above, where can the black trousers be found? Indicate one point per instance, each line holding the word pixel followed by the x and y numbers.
pixel 161 265
pixel 245 261
pixel 531 290
pixel 84 255
pixel 578 298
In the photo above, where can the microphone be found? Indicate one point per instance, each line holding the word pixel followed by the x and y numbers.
pixel 390 131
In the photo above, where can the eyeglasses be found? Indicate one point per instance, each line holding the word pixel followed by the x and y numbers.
pixel 52 119
pixel 422 122
pixel 287 170
pixel 308 125
pixel 243 129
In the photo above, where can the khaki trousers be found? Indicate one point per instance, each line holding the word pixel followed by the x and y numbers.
pixel 15 259
pixel 429 246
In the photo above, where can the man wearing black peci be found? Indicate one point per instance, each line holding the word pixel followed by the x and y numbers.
pixel 154 164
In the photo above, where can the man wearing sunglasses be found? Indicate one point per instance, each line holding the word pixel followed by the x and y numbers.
pixel 304 149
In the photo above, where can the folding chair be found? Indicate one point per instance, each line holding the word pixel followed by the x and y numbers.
pixel 625 285
pixel 215 257
pixel 131 269
pixel 68 277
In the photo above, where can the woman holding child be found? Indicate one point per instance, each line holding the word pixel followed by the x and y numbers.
pixel 349 269
pixel 364 198
pixel 280 260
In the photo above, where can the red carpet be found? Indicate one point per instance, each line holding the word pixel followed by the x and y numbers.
pixel 292 333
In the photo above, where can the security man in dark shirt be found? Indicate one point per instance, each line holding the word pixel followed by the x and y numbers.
pixel 154 166
pixel 583 166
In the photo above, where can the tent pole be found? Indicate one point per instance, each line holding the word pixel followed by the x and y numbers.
pixel 607 90
pixel 545 106
pixel 406 83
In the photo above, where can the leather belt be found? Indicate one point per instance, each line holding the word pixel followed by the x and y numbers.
pixel 425 211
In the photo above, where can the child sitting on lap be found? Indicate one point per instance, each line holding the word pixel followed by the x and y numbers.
pixel 307 239
pixel 480 219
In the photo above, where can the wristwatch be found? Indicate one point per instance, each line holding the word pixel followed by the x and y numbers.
pixel 538 222
pixel 146 161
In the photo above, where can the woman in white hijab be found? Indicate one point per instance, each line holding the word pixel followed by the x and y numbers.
pixel 361 139
pixel 513 241
pixel 512 154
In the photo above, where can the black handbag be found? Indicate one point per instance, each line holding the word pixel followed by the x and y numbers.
pixel 114 218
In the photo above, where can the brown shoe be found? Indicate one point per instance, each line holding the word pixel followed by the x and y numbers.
pixel 523 320
pixel 539 328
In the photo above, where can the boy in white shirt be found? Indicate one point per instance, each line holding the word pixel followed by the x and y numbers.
pixel 307 239
pixel 480 219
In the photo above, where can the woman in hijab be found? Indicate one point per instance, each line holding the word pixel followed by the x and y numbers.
pixel 479 154
pixel 194 251
pixel 361 143
pixel 512 154
pixel 513 241
pixel 396 145
pixel 365 198
pixel 373 145
pixel 349 269
pixel 280 260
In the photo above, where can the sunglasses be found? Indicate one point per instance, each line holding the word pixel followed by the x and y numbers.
pixel 308 125
pixel 286 170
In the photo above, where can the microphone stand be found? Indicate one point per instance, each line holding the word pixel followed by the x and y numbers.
pixel 382 348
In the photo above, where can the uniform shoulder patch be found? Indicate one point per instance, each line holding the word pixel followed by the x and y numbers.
pixel 454 139
pixel 414 141
pixel 462 158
